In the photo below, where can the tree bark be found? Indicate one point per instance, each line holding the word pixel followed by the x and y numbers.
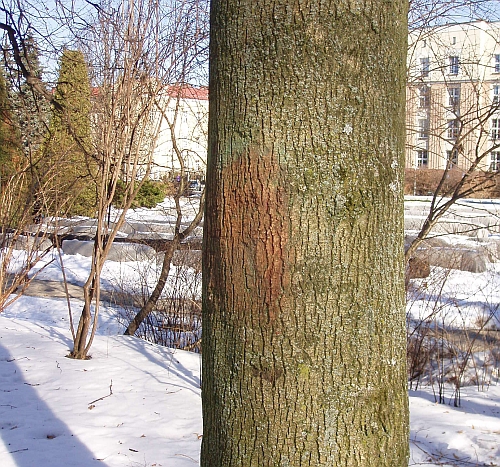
pixel 80 347
pixel 303 265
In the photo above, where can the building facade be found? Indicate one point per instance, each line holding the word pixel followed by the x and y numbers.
pixel 452 106
pixel 453 97
pixel 181 119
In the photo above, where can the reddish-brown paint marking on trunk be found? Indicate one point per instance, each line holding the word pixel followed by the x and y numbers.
pixel 259 240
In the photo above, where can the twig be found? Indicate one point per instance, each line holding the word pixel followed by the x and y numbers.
pixel 18 450
pixel 187 457
pixel 104 397
pixel 14 359
pixel 66 290
pixel 438 458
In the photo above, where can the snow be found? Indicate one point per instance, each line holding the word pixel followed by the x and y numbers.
pixel 442 434
pixel 139 404
pixel 131 276
pixel 445 435
pixel 132 404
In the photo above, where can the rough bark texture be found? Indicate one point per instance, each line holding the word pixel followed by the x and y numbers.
pixel 303 290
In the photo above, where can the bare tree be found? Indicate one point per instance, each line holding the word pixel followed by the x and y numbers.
pixel 133 64
pixel 171 52
pixel 452 103
pixel 425 13
pixel 136 51
pixel 18 233
pixel 180 233
pixel 20 187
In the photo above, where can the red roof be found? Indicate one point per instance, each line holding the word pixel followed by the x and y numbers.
pixel 186 91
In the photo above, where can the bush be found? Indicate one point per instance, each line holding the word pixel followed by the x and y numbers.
pixel 423 182
pixel 150 194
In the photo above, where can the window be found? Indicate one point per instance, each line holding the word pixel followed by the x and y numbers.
pixel 424 97
pixel 452 158
pixel 453 128
pixel 454 65
pixel 495 161
pixel 454 96
pixel 422 158
pixel 495 128
pixel 423 128
pixel 425 65
pixel 496 94
pixel 453 40
pixel 497 63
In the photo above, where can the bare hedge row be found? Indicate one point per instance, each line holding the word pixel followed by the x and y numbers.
pixel 425 182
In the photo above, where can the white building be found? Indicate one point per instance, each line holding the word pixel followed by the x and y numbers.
pixel 453 106
pixel 182 140
pixel 453 113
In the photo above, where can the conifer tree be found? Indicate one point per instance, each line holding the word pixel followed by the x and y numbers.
pixel 30 110
pixel 30 116
pixel 67 148
pixel 9 136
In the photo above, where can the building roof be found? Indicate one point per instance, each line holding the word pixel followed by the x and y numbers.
pixel 186 91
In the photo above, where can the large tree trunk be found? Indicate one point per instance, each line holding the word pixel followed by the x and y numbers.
pixel 303 272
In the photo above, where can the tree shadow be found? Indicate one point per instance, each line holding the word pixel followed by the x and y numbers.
pixel 467 406
pixel 30 433
pixel 431 444
pixel 164 358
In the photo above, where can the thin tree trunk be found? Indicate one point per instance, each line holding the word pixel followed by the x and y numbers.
pixel 155 295
pixel 304 341
pixel 179 236
pixel 80 340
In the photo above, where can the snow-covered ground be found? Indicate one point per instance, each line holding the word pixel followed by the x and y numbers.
pixel 131 404
pixel 138 404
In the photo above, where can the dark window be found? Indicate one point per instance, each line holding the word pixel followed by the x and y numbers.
pixel 454 96
pixel 452 158
pixel 495 161
pixel 495 128
pixel 423 128
pixel 496 94
pixel 424 97
pixel 454 65
pixel 453 129
pixel 425 65
pixel 422 158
